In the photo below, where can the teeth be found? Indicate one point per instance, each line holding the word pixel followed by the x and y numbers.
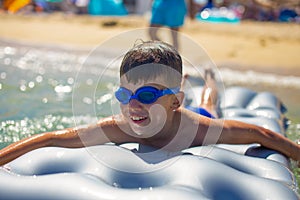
pixel 135 118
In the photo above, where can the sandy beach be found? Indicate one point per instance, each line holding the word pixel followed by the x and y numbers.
pixel 261 46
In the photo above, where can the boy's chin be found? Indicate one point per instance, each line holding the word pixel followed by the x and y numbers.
pixel 144 131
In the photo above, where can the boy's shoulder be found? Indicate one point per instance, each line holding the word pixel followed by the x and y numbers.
pixel 188 114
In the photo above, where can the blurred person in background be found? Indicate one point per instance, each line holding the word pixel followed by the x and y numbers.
pixel 168 13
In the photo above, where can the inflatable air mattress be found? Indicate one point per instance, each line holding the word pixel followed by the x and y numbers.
pixel 128 171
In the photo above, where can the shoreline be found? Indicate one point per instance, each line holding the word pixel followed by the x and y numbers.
pixel 259 46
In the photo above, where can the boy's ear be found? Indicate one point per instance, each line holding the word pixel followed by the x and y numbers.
pixel 177 100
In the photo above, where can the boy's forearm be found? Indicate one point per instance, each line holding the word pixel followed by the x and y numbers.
pixel 21 147
pixel 243 133
pixel 279 143
pixel 63 138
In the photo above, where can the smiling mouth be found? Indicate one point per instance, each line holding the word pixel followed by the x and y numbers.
pixel 138 119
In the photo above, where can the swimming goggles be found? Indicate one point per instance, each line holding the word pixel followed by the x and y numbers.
pixel 145 94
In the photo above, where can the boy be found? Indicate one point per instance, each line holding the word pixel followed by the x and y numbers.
pixel 151 113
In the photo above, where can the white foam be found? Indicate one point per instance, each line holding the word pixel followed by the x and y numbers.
pixel 250 77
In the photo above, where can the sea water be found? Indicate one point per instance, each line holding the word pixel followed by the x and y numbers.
pixel 46 88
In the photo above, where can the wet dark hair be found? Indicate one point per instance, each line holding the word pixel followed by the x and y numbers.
pixel 151 55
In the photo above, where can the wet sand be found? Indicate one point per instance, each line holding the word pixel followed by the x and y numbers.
pixel 260 46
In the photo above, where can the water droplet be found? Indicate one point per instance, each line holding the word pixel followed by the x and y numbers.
pixel 31 84
pixel 87 100
pixel 63 89
pixel 70 80
pixel 39 79
pixel 89 82
pixel 45 100
pixel 23 88
pixel 104 99
pixel 3 75
pixel 10 50
pixel 22 64
pixel 59 127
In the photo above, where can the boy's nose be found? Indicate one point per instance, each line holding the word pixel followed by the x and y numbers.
pixel 133 103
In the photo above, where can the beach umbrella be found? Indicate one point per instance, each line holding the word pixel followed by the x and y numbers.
pixel 14 6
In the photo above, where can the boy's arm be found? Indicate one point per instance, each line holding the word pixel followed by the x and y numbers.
pixel 71 138
pixel 236 132
pixel 21 147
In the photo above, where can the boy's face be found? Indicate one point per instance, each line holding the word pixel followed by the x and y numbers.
pixel 147 120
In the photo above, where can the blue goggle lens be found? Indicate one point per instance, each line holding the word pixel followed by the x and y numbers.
pixel 146 97
pixel 123 95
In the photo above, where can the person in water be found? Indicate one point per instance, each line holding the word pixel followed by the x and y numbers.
pixel 152 113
